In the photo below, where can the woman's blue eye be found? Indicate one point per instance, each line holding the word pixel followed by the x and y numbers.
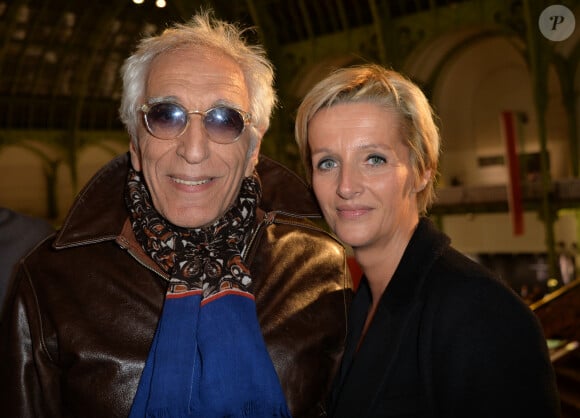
pixel 376 160
pixel 325 164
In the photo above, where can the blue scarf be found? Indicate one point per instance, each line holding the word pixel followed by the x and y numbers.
pixel 208 357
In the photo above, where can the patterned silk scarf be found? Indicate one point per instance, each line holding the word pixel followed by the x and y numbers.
pixel 208 357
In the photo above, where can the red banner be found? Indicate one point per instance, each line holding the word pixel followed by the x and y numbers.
pixel 509 130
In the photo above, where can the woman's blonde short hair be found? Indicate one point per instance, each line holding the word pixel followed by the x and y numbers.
pixel 372 83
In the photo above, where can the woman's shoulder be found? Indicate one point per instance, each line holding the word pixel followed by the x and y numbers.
pixel 461 286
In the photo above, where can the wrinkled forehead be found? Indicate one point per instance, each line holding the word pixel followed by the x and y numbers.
pixel 197 76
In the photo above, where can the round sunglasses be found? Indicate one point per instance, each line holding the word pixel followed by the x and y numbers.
pixel 168 120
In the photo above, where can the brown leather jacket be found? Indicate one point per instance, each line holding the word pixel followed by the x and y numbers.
pixel 85 304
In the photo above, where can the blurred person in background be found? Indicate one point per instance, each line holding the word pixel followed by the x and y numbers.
pixel 19 233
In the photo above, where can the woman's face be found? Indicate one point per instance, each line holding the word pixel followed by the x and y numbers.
pixel 193 180
pixel 362 176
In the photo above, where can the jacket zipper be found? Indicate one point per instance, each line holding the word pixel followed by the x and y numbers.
pixel 266 220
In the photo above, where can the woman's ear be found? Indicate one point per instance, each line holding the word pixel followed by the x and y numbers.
pixel 422 181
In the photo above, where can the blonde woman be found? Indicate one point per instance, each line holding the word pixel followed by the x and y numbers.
pixel 431 333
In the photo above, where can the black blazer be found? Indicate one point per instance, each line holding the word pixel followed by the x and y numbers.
pixel 448 340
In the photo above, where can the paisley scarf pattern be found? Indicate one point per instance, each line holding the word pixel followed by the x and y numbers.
pixel 208 357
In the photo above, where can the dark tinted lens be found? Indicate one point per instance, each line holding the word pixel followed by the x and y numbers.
pixel 224 124
pixel 166 120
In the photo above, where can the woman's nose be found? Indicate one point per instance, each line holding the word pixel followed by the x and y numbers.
pixel 349 184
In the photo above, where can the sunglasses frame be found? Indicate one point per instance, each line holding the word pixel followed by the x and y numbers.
pixel 245 116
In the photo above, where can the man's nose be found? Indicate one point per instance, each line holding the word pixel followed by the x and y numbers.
pixel 194 142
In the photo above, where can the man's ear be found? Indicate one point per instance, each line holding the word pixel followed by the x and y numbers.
pixel 135 155
pixel 253 158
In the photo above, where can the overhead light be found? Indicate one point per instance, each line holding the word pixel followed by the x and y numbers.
pixel 158 3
